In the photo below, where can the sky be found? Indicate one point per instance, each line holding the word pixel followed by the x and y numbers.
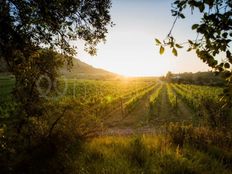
pixel 130 49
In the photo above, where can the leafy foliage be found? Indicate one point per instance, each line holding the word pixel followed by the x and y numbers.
pixel 35 41
pixel 199 78
pixel 214 36
pixel 52 24
pixel 29 26
pixel 205 102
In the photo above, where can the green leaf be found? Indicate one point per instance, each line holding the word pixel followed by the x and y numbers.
pixel 209 2
pixel 190 49
pixel 161 50
pixel 195 26
pixel 228 54
pixel 179 46
pixel 69 23
pixel 227 74
pixel 157 41
pixel 221 65
pixel 227 65
pixel 174 51
pixel 225 35
pixel 202 7
pixel 70 28
pixel 182 16
pixel 191 42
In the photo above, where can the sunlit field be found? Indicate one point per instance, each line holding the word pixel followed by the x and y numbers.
pixel 137 125
pixel 115 87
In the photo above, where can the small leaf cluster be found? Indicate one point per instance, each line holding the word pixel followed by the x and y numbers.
pixel 171 43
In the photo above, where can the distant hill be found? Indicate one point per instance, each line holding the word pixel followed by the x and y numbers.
pixel 79 70
pixel 85 71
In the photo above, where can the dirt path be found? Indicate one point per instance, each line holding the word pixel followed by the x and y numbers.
pixel 140 120
pixel 163 114
pixel 183 111
pixel 135 122
pixel 165 105
pixel 134 118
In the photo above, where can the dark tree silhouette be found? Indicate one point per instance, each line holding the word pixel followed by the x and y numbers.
pixel 35 40
pixel 27 26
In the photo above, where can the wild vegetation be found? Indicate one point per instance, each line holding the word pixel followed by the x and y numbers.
pixel 89 124
pixel 200 78
pixel 213 38
pixel 175 132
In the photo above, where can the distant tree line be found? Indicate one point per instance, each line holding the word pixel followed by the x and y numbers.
pixel 200 78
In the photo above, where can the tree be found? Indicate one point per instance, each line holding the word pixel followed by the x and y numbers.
pixel 169 76
pixel 52 24
pixel 31 31
pixel 214 36
pixel 35 40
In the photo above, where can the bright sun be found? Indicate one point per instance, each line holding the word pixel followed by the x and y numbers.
pixel 130 48
pixel 144 69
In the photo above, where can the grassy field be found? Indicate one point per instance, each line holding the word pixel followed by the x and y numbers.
pixel 147 126
pixel 145 154
pixel 6 85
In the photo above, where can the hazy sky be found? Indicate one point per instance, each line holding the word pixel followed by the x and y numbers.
pixel 130 48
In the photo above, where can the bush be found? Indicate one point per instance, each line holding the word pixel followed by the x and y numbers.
pixel 46 144
pixel 138 153
pixel 215 142
pixel 216 116
pixel 181 134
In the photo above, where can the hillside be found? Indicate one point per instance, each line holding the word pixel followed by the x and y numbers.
pixel 85 71
pixel 79 70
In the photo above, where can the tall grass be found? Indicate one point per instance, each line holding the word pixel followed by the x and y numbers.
pixel 144 154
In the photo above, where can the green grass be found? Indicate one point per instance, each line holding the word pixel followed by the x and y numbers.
pixel 6 85
pixel 6 104
pixel 145 154
pixel 185 150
